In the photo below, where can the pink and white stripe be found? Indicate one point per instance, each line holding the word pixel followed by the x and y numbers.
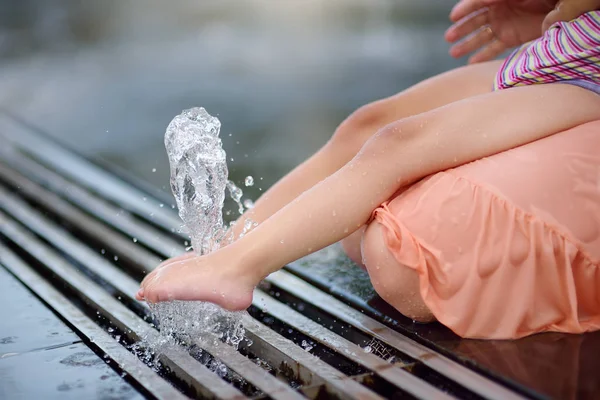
pixel 566 51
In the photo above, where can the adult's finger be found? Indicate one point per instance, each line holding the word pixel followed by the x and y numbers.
pixel 467 25
pixel 466 7
pixel 489 52
pixel 479 39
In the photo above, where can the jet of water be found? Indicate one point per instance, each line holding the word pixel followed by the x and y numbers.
pixel 198 175
pixel 199 172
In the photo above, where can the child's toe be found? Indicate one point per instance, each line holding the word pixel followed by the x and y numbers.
pixel 140 294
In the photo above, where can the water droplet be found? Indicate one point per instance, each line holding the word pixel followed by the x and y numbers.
pixel 249 181
pixel 161 205
pixel 281 241
pixel 334 213
pixel 248 204
pixel 144 198
pixel 111 330
pixel 103 251
pixel 134 240
pixel 306 346
pixel 236 194
pixel 116 258
pixel 367 349
pixel 153 169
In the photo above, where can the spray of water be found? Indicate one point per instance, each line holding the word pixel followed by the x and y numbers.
pixel 198 181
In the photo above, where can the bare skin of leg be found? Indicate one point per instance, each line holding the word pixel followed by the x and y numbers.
pixel 398 155
pixel 351 135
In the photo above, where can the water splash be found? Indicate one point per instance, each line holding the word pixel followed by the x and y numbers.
pixel 198 175
pixel 198 180
pixel 188 323
pixel 236 195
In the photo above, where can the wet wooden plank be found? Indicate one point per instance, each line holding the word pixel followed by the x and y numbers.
pixel 36 343
pixel 70 372
pixel 26 323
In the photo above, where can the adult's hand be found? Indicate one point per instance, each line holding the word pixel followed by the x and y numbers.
pixel 490 27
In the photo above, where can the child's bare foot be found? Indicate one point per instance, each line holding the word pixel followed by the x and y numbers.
pixel 215 278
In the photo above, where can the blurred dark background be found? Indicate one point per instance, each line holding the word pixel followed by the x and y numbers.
pixel 107 76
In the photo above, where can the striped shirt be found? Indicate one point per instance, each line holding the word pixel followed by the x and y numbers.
pixel 566 51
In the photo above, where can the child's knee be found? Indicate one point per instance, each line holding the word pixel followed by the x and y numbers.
pixel 390 139
pixel 360 125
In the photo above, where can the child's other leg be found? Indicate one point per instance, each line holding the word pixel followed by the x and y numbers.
pixel 351 135
pixel 398 155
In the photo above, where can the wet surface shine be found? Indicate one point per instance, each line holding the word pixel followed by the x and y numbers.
pixel 549 365
pixel 72 372
pixel 27 324
pixel 41 358
pixel 557 365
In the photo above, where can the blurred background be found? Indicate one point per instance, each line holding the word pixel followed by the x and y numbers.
pixel 107 76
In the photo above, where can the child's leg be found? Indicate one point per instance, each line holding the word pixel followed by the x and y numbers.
pixel 398 155
pixel 351 135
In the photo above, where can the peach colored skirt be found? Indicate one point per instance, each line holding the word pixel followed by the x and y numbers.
pixel 509 245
